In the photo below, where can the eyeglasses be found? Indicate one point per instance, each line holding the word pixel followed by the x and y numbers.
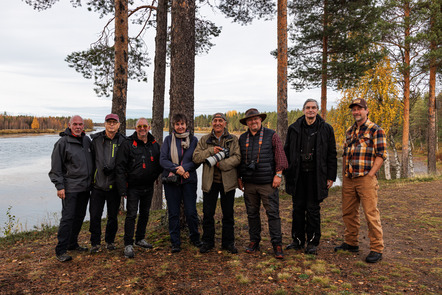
pixel 111 122
pixel 142 126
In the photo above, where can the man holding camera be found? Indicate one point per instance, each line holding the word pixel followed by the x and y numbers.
pixel 220 153
pixel 310 148
pixel 105 145
pixel 260 173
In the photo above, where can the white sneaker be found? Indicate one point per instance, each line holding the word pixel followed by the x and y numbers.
pixel 143 243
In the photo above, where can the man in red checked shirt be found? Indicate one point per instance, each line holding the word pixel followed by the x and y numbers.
pixel 365 150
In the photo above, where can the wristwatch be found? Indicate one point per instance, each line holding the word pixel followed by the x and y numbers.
pixel 279 175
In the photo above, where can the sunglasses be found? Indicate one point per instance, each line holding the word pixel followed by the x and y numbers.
pixel 142 126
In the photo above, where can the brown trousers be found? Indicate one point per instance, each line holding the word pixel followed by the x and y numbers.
pixel 356 191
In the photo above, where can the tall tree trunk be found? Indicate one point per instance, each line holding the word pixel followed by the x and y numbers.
pixel 282 70
pixel 431 160
pixel 387 168
pixel 406 76
pixel 182 60
pixel 397 163
pixel 324 63
pixel 159 81
pixel 119 98
pixel 410 158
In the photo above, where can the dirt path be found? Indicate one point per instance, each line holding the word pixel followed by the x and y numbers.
pixel 411 214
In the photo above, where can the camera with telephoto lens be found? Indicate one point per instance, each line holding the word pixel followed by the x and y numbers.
pixel 223 154
pixel 172 179
pixel 251 166
pixel 307 157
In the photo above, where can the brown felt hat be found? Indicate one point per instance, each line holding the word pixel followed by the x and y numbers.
pixel 358 102
pixel 252 113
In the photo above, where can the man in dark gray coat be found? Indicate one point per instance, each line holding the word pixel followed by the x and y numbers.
pixel 311 152
pixel 71 172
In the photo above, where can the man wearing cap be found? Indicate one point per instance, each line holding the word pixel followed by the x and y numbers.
pixel 220 153
pixel 71 173
pixel 365 150
pixel 260 172
pixel 310 148
pixel 105 145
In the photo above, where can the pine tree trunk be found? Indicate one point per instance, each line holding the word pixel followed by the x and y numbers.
pixel 406 75
pixel 432 143
pixel 324 63
pixel 282 125
pixel 158 91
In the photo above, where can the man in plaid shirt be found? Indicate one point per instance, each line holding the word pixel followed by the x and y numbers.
pixel 365 150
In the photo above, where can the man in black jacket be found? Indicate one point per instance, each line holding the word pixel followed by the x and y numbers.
pixel 137 168
pixel 71 173
pixel 310 148
pixel 105 145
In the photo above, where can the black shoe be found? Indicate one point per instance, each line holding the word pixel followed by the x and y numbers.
pixel 373 257
pixel 205 248
pixel 197 243
pixel 231 248
pixel 110 246
pixel 252 247
pixel 95 249
pixel 64 257
pixel 311 249
pixel 294 246
pixel 175 249
pixel 347 247
pixel 79 249
pixel 278 251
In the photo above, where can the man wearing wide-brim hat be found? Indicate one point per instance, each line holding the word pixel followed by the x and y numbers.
pixel 260 172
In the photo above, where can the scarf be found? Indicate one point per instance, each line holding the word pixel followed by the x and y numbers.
pixel 184 144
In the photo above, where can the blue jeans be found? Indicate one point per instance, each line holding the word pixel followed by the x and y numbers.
pixel 72 215
pixel 175 194
pixel 137 198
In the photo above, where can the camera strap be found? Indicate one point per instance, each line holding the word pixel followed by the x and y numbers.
pixel 261 135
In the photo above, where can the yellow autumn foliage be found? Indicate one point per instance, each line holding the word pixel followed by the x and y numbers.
pixel 35 124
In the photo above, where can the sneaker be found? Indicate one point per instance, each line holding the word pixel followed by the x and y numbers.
pixel 110 246
pixel 95 249
pixel 143 243
pixel 278 251
pixel 206 248
pixel 294 246
pixel 129 251
pixel 78 248
pixel 252 247
pixel 64 257
pixel 231 248
pixel 311 249
pixel 175 249
pixel 347 247
pixel 373 257
pixel 197 243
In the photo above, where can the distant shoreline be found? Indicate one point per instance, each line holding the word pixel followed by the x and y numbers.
pixel 17 132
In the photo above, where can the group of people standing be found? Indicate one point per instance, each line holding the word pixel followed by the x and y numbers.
pixel 255 163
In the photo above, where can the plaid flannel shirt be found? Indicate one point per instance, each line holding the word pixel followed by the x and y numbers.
pixel 362 145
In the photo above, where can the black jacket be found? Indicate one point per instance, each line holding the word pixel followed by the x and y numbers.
pixel 137 163
pixel 71 163
pixel 105 151
pixel 326 162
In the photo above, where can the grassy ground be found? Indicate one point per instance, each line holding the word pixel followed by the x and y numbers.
pixel 412 221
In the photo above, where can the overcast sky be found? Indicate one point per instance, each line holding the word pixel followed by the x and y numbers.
pixel 237 73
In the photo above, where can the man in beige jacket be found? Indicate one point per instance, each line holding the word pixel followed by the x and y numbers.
pixel 220 153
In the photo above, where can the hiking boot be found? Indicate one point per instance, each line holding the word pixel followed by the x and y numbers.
pixel 95 249
pixel 294 246
pixel 64 257
pixel 129 251
pixel 206 248
pixel 110 246
pixel 231 248
pixel 252 247
pixel 197 243
pixel 78 248
pixel 175 249
pixel 311 249
pixel 373 257
pixel 347 247
pixel 143 243
pixel 278 251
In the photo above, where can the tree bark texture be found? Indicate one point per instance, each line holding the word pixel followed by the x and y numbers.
pixel 282 70
pixel 119 98
pixel 431 160
pixel 324 63
pixel 406 76
pixel 159 85
pixel 182 60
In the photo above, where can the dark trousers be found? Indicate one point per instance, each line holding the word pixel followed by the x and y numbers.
pixel 175 194
pixel 138 199
pixel 209 207
pixel 306 216
pixel 72 215
pixel 96 206
pixel 253 195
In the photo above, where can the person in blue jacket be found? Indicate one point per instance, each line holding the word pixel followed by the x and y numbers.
pixel 180 180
